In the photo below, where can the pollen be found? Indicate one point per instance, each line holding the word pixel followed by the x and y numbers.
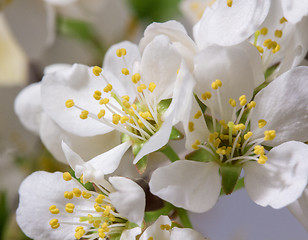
pixel 67 176
pixel 125 71
pixel 97 95
pixel 248 135
pixel 261 123
pixel 97 70
pixel 223 124
pixel 243 100
pixel 262 159
pixel 54 223
pixel 136 78
pixel 232 102
pixel 101 113
pixel 124 119
pixel 141 87
pixel 283 20
pixel 198 115
pixel 69 103
pixel 259 150
pixel 269 135
pixel 116 118
pixel 84 114
pixel 206 95
pixel 53 209
pixel 152 86
pixel 240 126
pixel 251 105
pixel 264 31
pixel 79 232
pixel 267 42
pixel 100 198
pixel 191 127
pixel 77 192
pixel 104 101
pixel 69 207
pixel 260 49
pixel 86 195
pixel 125 97
pixel 68 195
pixel 108 88
pixel 229 3
pixel 140 123
pixel 278 33
pixel 276 49
pixel 121 52
pixel 196 144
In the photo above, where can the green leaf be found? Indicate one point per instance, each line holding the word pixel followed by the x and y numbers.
pixel 152 216
pixel 141 165
pixel 163 105
pixel 229 176
pixel 176 134
pixel 200 155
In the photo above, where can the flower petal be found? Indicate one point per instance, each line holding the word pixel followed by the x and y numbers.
pixel 294 10
pixel 282 179
pixel 192 185
pixel 128 199
pixel 223 25
pixel 283 104
pixel 184 234
pixel 130 233
pixel 155 230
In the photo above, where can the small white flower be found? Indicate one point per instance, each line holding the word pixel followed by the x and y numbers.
pixel 56 206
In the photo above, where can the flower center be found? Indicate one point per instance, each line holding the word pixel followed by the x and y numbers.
pixel 230 142
pixel 93 213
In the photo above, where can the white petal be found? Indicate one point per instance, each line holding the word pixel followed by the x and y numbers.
pixel 114 64
pixel 239 69
pixel 184 234
pixel 155 231
pixel 28 107
pixel 77 83
pixel 294 10
pixel 283 104
pixel 158 140
pixel 128 199
pixel 37 193
pixel 299 209
pixel 159 64
pixel 56 67
pixel 282 179
pixel 192 185
pixel 130 234
pixel 227 26
pixel 74 160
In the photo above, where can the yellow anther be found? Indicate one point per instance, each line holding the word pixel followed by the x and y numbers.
pixel 261 123
pixel 136 78
pixel 282 20
pixel 98 208
pixel 67 176
pixel 267 42
pixel 218 82
pixel 54 223
pixel 273 45
pixel 53 209
pixel 232 102
pixel 125 97
pixel 68 195
pixel 217 142
pixel 101 234
pixel 69 103
pixel 125 71
pixel 124 119
pixel 152 86
pixel 140 123
pixel 69 207
pixel 86 195
pixel 101 113
pixel 121 52
pixel 198 114
pixel 224 136
pixel 243 100
pixel 262 159
pixel 97 95
pixel 206 95
pixel 196 144
pixel 90 221
pixel 100 198
pixel 248 135
pixel 240 126
pixel 141 87
pixel 150 238
pixel 84 114
pixel 251 105
pixel 126 104
pixel 259 150
pixel 278 33
pixel 77 192
pixel 104 101
pixel 79 233
pixel 260 49
pixel 116 118
pixel 97 70
pixel 228 150
pixel 221 151
pixel 78 228
pixel 269 135
pixel 107 210
pixel 276 49
pixel 177 71
pixel 223 124
pixel 134 106
pixel 96 223
pixel 131 112
pixel 229 3
pixel 214 85
pixel 108 88
pixel 264 31
pixel 191 127
pixel 81 178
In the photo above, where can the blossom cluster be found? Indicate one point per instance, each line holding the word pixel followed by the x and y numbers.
pixel 238 93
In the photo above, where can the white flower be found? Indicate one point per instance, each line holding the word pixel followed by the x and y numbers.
pixel 123 96
pixel 277 117
pixel 56 207
pixel 31 114
pixel 299 209
pixel 161 229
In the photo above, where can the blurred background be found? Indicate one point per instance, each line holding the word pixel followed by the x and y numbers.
pixel 37 33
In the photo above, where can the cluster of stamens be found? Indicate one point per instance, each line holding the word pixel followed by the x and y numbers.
pixel 100 221
pixel 231 141
pixel 137 118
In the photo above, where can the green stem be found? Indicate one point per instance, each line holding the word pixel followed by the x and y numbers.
pixel 184 218
pixel 169 153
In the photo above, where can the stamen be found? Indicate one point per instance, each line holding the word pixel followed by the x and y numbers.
pixel 69 103
pixel 191 126
pixel 229 3
pixel 97 70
